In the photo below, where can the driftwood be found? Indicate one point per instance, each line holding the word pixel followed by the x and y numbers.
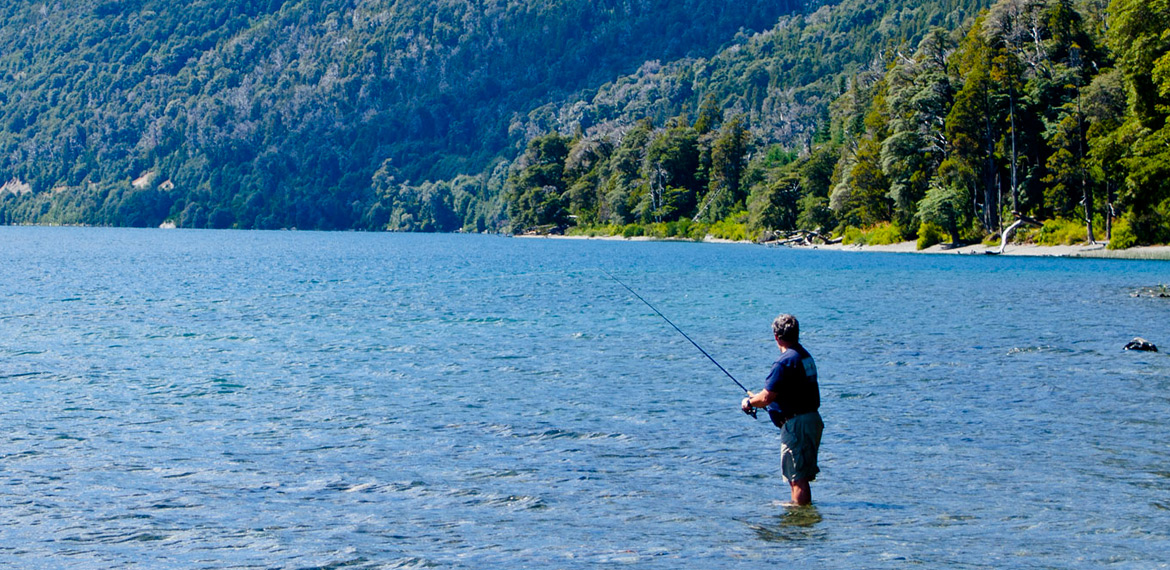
pixel 798 237
pixel 1007 233
pixel 545 230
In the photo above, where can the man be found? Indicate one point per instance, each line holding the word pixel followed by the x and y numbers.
pixel 791 397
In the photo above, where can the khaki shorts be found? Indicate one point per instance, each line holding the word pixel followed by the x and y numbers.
pixel 800 438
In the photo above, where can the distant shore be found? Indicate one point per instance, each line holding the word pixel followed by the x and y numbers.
pixel 1155 252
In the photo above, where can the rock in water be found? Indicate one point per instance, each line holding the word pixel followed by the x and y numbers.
pixel 1161 291
pixel 1141 344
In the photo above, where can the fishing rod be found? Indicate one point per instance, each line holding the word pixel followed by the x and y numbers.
pixel 752 411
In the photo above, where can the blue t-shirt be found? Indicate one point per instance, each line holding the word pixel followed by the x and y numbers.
pixel 793 381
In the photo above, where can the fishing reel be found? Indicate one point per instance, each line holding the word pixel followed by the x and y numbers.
pixel 748 409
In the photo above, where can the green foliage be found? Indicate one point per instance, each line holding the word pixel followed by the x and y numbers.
pixel 697 232
pixel 1061 231
pixel 1137 34
pixel 775 206
pixel 733 227
pixel 852 235
pixel 536 194
pixel 920 97
pixel 454 115
pixel 633 230
pixel 278 113
pixel 1016 110
pixel 682 229
pixel 1123 236
pixel 728 161
pixel 929 234
pixel 883 233
pixel 862 196
pixel 946 207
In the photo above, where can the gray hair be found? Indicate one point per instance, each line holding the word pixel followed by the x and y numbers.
pixel 786 328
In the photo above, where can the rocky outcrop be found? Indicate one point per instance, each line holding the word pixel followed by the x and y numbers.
pixel 1161 291
pixel 1141 344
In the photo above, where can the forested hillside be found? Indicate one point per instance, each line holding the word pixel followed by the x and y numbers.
pixel 278 113
pixel 881 121
pixel 876 120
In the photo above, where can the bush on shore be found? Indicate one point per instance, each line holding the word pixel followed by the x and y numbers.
pixel 930 234
pixel 881 234
pixel 1061 231
pixel 1122 236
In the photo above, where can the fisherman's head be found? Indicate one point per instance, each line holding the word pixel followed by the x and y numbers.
pixel 786 328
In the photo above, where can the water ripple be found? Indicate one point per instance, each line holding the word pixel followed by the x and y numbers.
pixel 300 400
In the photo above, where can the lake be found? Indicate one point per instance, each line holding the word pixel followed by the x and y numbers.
pixel 224 399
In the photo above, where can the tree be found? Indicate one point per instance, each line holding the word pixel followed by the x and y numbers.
pixel 586 164
pixel 920 96
pixel 623 186
pixel 945 206
pixel 816 175
pixel 1105 108
pixel 1142 48
pixel 710 115
pixel 536 192
pixel 775 206
pixel 861 198
pixel 671 166
pixel 973 125
pixel 728 160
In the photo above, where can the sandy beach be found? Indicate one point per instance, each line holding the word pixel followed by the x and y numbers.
pixel 1159 252
pixel 1029 250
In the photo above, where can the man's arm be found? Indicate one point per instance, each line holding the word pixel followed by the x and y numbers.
pixel 760 399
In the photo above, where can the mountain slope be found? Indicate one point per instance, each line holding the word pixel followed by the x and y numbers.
pixel 277 113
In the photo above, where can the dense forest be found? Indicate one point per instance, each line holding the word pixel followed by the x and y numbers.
pixel 878 120
pixel 281 113
pixel 881 122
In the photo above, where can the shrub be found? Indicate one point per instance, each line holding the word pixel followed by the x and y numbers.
pixel 633 230
pixel 930 234
pixel 1061 231
pixel 679 229
pixel 852 235
pixel 1123 236
pixel 697 231
pixel 883 234
pixel 727 229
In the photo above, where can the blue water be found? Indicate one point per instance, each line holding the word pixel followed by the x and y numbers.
pixel 199 399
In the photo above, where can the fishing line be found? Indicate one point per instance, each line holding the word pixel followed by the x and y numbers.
pixel 680 331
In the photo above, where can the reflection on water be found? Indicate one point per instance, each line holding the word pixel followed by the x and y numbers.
pixel 801 516
pixel 795 523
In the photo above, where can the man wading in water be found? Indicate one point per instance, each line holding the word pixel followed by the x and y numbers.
pixel 791 398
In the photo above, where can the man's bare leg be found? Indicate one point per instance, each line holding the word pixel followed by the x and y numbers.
pixel 801 492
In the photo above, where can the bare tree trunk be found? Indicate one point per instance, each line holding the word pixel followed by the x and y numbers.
pixel 1087 198
pixel 657 191
pixel 1007 234
pixel 1109 213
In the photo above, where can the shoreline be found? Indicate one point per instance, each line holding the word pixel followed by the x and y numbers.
pixel 1097 251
